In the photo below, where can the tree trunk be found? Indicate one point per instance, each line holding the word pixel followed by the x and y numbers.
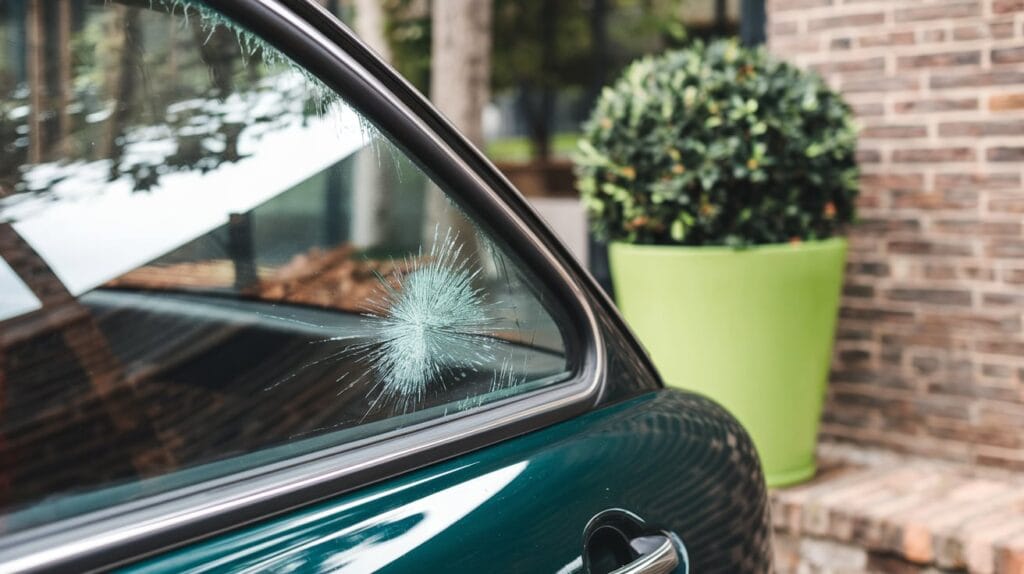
pixel 372 195
pixel 124 39
pixel 461 62
pixel 542 129
pixel 460 81
pixel 36 32
pixel 65 77
pixel 369 25
pixel 599 48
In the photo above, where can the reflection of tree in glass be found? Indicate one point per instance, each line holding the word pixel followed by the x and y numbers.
pixel 143 95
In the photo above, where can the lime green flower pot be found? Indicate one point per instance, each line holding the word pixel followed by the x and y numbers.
pixel 750 328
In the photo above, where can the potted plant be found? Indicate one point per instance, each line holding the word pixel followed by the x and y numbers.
pixel 721 178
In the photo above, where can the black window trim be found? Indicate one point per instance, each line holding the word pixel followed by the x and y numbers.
pixel 129 532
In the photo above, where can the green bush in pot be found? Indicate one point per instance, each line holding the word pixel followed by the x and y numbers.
pixel 722 178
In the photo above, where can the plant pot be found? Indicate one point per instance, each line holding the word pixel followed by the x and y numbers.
pixel 750 328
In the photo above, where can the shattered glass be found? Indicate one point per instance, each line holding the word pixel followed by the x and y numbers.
pixel 211 262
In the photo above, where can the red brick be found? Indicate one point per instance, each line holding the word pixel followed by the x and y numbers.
pixel 1005 153
pixel 1004 347
pixel 978 227
pixel 786 5
pixel 858 291
pixel 1007 249
pixel 876 314
pixel 977 181
pixel 930 200
pixel 977 79
pixel 887 224
pixel 869 156
pixel 876 269
pixel 869 109
pixel 782 28
pixel 932 317
pixel 982 128
pixel 916 106
pixel 920 247
pixel 931 296
pixel 1002 300
pixel 893 131
pixel 1006 204
pixel 1006 6
pixel 891 39
pixel 892 181
pixel 840 44
pixel 1013 55
pixel 938 12
pixel 846 21
pixel 895 84
pixel 967 321
pixel 1002 102
pixel 940 272
pixel 840 66
pixel 943 60
pixel 997 372
pixel 1009 459
pixel 933 155
pixel 982 31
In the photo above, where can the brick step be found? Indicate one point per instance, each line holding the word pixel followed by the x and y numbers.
pixel 903 516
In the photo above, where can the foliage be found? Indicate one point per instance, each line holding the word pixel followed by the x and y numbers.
pixel 643 27
pixel 407 29
pixel 543 48
pixel 521 57
pixel 718 145
pixel 519 149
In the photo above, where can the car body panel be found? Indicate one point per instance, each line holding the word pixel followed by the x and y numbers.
pixel 673 458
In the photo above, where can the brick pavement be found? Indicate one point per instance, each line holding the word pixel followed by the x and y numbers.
pixel 892 513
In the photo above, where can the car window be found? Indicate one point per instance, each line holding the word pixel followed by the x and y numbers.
pixel 210 262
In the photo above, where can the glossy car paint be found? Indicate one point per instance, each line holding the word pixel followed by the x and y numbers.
pixel 673 458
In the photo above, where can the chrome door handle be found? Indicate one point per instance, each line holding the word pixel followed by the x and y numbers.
pixel 658 555
pixel 617 541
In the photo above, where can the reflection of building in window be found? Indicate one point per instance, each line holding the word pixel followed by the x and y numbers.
pixel 189 233
pixel 334 278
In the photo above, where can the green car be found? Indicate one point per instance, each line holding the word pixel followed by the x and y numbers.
pixel 264 310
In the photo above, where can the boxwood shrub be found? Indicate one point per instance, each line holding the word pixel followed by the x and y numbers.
pixel 717 145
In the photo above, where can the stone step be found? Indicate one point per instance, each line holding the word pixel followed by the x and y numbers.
pixel 901 516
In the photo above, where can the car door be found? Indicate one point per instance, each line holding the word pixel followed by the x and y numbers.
pixel 266 311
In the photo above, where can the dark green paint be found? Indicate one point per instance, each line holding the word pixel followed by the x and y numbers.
pixel 675 459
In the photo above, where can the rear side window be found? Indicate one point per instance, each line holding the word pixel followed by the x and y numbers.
pixel 209 263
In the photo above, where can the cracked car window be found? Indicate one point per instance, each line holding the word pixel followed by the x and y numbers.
pixel 210 262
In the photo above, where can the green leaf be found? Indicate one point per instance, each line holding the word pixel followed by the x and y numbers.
pixel 678 230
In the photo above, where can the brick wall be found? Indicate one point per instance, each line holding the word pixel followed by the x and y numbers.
pixel 930 351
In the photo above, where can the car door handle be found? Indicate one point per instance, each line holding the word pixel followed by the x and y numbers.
pixel 617 541
pixel 658 555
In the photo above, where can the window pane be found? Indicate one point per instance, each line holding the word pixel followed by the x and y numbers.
pixel 211 262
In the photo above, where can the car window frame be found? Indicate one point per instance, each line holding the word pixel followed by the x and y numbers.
pixel 135 530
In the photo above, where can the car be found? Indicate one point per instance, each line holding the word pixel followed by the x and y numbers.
pixel 265 310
